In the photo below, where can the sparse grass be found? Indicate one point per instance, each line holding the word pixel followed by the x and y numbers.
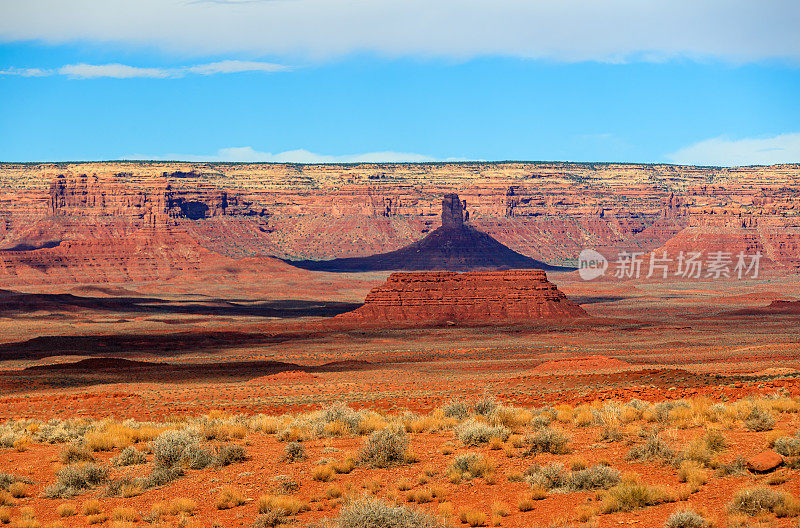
pixel 753 501
pixel 182 505
pixel 630 494
pixel 91 507
pixel 323 473
pixel 229 497
pixel 123 514
pixel 286 505
pixel 66 509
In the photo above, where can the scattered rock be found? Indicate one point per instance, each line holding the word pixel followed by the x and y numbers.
pixel 764 462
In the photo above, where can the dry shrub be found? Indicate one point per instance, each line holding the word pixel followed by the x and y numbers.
pixel 91 507
pixel 5 514
pixel 229 497
pixel 96 518
pixel 19 490
pixel 471 465
pixel 584 417
pixel 323 473
pixel 284 504
pixel 686 519
pixel 123 514
pixel 294 451
pixel 344 466
pixel 692 472
pixel 333 492
pixel 182 505
pixel 66 510
pixel 630 494
pixel 788 446
pixel 759 419
pixel 547 440
pixel 370 512
pixel 129 456
pixel 229 454
pixel 472 517
pixel 75 453
pixel 385 448
pixel 760 499
pixel 652 448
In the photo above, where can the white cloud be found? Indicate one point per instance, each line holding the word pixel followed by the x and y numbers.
pixel 26 72
pixel 723 151
pixel 561 30
pixel 124 71
pixel 248 154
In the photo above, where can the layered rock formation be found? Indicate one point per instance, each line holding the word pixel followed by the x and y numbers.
pixel 545 211
pixel 475 297
pixel 453 246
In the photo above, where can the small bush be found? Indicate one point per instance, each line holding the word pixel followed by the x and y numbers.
pixel 18 490
pixel 685 519
pixel 129 456
pixel 471 465
pixel 373 513
pixel 456 409
pixel 283 504
pixel 66 510
pixel 323 473
pixel 631 495
pixel 652 448
pixel 74 479
pixel 75 453
pixel 753 501
pixel 473 433
pixel 737 467
pixel 547 477
pixel 159 477
pixel 385 448
pixel 229 497
pixel 472 517
pixel 195 457
pixel 788 446
pixel 182 505
pixel 91 507
pixel 547 441
pixel 294 451
pixel 759 420
pixel 229 454
pixel 593 478
pixel 123 514
pixel 168 447
pixel 486 406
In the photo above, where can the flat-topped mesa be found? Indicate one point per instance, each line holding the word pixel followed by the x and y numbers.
pixel 474 297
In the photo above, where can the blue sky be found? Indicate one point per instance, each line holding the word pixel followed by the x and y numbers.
pixel 237 80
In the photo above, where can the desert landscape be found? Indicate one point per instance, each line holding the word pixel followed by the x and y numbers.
pixel 397 345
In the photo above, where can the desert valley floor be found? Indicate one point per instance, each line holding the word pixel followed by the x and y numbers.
pixel 666 367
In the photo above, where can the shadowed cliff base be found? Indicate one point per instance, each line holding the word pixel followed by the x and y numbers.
pixel 454 246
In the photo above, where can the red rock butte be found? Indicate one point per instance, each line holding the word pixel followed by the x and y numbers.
pixel 474 297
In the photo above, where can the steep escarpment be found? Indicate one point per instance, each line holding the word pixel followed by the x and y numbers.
pixel 475 297
pixel 544 211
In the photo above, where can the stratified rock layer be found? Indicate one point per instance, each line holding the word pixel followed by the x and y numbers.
pixel 475 297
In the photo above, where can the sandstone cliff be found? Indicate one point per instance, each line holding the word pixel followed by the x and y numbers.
pixel 545 211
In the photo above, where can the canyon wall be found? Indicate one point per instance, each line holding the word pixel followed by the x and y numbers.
pixel 548 211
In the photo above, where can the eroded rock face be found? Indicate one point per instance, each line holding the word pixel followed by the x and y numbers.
pixel 474 297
